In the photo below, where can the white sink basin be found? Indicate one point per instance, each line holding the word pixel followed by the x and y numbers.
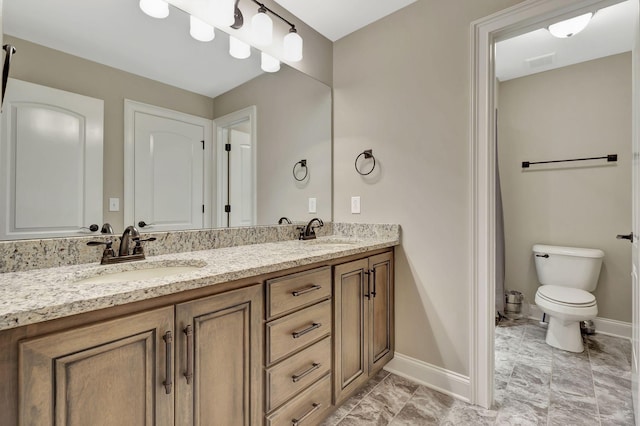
pixel 330 241
pixel 138 273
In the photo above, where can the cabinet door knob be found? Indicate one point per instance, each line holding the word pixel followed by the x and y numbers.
pixel 188 331
pixel 297 422
pixel 297 334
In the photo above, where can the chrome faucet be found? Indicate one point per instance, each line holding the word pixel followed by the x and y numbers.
pixel 309 232
pixel 125 254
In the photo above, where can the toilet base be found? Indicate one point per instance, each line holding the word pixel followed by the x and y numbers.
pixel 564 335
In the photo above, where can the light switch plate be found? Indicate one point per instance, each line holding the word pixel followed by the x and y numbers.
pixel 114 204
pixel 355 205
pixel 312 205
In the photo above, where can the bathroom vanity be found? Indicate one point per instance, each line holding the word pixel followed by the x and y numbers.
pixel 274 333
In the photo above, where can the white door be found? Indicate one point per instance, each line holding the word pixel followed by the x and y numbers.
pixel 239 158
pixel 51 151
pixel 635 252
pixel 236 134
pixel 169 173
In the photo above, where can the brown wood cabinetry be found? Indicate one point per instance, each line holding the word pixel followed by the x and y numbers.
pixel 298 353
pixel 122 372
pixel 363 317
pixel 219 359
pixel 110 373
pixel 276 349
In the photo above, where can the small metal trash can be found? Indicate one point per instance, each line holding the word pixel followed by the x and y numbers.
pixel 513 304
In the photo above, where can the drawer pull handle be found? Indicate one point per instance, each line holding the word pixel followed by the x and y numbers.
pixel 297 377
pixel 297 334
pixel 189 373
pixel 167 383
pixel 296 422
pixel 297 293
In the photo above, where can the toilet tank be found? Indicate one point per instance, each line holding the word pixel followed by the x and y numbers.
pixel 568 266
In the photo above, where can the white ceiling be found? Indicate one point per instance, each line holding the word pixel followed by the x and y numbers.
pixel 609 32
pixel 337 18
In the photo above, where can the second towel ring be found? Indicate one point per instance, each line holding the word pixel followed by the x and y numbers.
pixel 368 153
pixel 303 164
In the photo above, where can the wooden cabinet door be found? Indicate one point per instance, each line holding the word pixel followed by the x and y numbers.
pixel 108 373
pixel 351 310
pixel 381 323
pixel 219 359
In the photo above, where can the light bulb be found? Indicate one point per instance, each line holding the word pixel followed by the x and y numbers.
pixel 269 63
pixel 239 49
pixel 261 28
pixel 155 8
pixel 292 46
pixel 200 30
pixel 570 27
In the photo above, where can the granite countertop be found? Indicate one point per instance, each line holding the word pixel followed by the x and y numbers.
pixel 44 294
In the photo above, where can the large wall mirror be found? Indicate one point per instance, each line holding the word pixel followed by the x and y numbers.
pixel 158 84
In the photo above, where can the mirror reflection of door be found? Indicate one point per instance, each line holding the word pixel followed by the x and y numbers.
pixel 236 169
pixel 169 171
pixel 51 173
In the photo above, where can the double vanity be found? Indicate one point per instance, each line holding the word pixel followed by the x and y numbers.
pixel 259 330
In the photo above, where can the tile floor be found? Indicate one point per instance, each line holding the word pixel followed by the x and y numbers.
pixel 535 385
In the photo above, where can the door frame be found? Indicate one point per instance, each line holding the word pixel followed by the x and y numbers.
pixel 516 20
pixel 130 109
pixel 220 124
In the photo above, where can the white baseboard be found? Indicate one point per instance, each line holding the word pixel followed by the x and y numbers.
pixel 431 376
pixel 605 326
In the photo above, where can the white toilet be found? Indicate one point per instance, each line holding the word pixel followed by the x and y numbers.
pixel 567 275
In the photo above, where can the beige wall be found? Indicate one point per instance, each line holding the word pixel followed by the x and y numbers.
pixel 401 87
pixel 41 65
pixel 579 111
pixel 294 123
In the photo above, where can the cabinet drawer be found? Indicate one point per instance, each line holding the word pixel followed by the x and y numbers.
pixel 287 335
pixel 296 373
pixel 294 291
pixel 306 409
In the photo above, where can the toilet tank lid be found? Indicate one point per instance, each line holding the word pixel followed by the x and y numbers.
pixel 568 251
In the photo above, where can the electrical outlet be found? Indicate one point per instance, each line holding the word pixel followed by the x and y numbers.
pixel 312 205
pixel 355 205
pixel 114 204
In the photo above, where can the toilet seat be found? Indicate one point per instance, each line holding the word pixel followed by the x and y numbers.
pixel 566 296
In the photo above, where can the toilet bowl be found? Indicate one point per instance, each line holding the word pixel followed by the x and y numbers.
pixel 567 275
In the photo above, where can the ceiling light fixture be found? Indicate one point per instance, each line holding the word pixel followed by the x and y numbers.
pixel 155 8
pixel 200 30
pixel 570 27
pixel 226 13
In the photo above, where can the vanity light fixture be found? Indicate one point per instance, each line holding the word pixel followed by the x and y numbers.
pixel 239 49
pixel 262 27
pixel 269 63
pixel 200 30
pixel 155 8
pixel 570 27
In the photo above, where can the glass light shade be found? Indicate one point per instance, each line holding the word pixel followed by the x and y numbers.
pixel 261 29
pixel 155 8
pixel 200 30
pixel 222 12
pixel 292 47
pixel 239 49
pixel 570 27
pixel 269 63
